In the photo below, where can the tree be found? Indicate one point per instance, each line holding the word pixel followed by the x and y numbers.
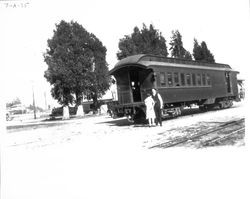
pixel 145 41
pixel 209 57
pixel 188 55
pixel 14 102
pixel 197 51
pixel 202 53
pixel 97 88
pixel 71 56
pixel 177 49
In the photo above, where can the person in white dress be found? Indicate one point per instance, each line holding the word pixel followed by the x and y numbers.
pixel 150 113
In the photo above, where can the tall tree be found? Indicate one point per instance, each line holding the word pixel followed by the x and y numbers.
pixel 97 88
pixel 197 51
pixel 209 57
pixel 71 55
pixel 202 53
pixel 188 55
pixel 177 49
pixel 144 41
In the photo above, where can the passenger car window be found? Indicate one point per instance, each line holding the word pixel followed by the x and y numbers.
pixel 198 79
pixel 176 79
pixel 170 79
pixel 182 79
pixel 194 79
pixel 188 79
pixel 162 79
pixel 208 79
pixel 204 79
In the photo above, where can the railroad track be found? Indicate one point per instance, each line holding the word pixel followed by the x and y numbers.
pixel 220 138
pixel 209 136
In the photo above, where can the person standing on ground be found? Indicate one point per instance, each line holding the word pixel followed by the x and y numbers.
pixel 158 106
pixel 150 113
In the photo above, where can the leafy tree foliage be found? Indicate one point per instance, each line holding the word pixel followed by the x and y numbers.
pixel 96 89
pixel 15 101
pixel 197 51
pixel 188 55
pixel 77 65
pixel 202 53
pixel 177 49
pixel 144 41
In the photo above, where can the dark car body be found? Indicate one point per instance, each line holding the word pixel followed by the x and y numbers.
pixel 180 82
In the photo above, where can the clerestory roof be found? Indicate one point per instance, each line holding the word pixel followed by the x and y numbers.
pixel 148 61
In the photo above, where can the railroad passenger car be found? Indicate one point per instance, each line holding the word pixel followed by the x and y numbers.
pixel 180 82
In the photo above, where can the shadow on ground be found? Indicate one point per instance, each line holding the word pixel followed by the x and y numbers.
pixel 117 122
pixel 41 124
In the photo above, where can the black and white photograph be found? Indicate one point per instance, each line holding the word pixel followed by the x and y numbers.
pixel 124 99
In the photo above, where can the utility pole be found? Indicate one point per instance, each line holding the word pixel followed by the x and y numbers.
pixel 46 106
pixel 34 104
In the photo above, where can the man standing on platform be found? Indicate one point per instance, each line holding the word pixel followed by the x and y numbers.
pixel 158 106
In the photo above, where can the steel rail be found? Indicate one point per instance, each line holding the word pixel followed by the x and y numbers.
pixel 220 138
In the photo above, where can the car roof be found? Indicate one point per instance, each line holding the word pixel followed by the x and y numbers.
pixel 149 61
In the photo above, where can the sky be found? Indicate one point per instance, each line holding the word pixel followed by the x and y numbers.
pixel 25 29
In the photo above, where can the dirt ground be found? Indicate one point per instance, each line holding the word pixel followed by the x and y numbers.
pixel 101 157
pixel 116 132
